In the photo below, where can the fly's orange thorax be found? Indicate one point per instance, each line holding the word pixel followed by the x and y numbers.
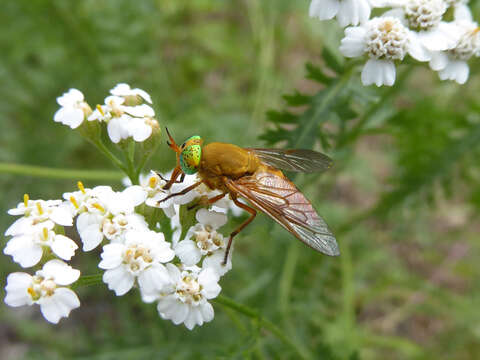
pixel 221 159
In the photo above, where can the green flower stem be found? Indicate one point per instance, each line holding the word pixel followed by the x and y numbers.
pixel 129 152
pixel 88 280
pixel 142 164
pixel 53 173
pixel 105 151
pixel 253 314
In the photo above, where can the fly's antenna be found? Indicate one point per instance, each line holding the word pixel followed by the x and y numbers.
pixel 171 143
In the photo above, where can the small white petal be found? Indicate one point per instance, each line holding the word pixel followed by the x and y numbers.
pixel 139 111
pixel 455 70
pixel 324 9
pixel 61 273
pixel 141 131
pixel 124 90
pixel 112 256
pixel 20 226
pixel 70 98
pixel 117 129
pixel 215 261
pixel 119 280
pixel 439 60
pixel 153 280
pixel 174 272
pixel 64 247
pixel 70 116
pixel 462 13
pixel 62 215
pixel 24 251
pixel 378 72
pixel 353 44
pixel 16 289
pixel 416 49
pixel 59 305
pixel 353 12
pixel 193 318
pixel 442 37
pixel 208 278
pixel 135 195
pixel 179 313
pixel 166 305
pixel 212 218
pixel 188 252
pixel 207 311
pixel 91 237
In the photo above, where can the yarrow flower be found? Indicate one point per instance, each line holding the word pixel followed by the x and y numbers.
pixel 452 64
pixel 27 249
pixel 46 288
pixel 125 113
pixel 139 257
pixel 37 211
pixel 415 27
pixel 187 301
pixel 109 214
pixel 204 241
pixel 384 40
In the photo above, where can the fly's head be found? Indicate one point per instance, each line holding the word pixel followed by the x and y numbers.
pixel 189 154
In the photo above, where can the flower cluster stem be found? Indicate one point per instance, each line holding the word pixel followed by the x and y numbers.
pixel 129 152
pixel 105 151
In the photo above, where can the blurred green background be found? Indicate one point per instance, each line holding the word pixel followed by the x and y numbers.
pixel 407 283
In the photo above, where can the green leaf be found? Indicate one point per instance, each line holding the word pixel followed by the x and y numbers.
pixel 297 99
pixel 281 117
pixel 314 73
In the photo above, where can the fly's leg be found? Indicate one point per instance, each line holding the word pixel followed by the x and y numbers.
pixel 182 177
pixel 207 201
pixel 253 213
pixel 175 173
pixel 183 192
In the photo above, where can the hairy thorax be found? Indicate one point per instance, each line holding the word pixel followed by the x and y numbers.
pixel 220 160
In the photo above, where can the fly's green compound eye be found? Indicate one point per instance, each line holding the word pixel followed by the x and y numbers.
pixel 191 155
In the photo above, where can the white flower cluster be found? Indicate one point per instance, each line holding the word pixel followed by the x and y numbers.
pixel 179 274
pixel 126 113
pixel 408 27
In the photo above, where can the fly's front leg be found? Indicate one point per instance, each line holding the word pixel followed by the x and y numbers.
pixel 182 177
pixel 183 192
pixel 175 173
pixel 252 212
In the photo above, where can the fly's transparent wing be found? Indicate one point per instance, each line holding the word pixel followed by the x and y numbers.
pixel 297 160
pixel 272 193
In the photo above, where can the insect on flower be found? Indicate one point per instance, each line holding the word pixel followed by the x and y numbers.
pixel 255 175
